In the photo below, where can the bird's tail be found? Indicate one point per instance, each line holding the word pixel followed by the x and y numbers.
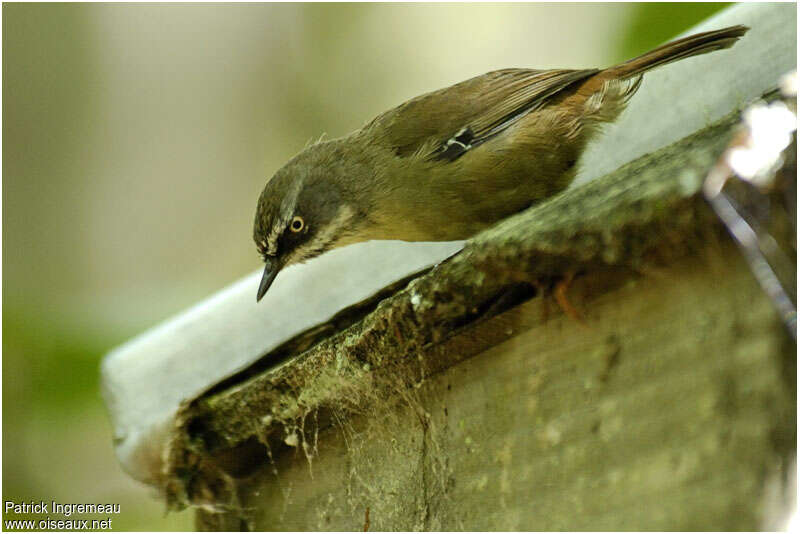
pixel 694 45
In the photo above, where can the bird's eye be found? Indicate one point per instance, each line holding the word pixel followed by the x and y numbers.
pixel 297 224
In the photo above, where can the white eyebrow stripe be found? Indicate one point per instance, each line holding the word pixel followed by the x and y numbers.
pixel 286 213
pixel 274 234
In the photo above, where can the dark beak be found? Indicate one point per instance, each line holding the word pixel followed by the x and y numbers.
pixel 270 272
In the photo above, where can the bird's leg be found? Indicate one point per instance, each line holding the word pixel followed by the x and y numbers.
pixel 560 292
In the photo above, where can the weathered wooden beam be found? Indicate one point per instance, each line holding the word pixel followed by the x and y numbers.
pixel 669 410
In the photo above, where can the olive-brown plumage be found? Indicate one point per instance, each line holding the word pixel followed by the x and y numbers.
pixel 449 163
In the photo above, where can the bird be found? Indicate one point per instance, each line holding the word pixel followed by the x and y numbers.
pixel 447 164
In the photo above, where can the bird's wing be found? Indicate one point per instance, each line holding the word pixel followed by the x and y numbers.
pixel 448 122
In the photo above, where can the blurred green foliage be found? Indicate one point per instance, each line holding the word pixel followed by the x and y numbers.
pixel 654 23
pixel 71 291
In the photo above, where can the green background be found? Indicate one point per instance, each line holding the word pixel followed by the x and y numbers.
pixel 136 139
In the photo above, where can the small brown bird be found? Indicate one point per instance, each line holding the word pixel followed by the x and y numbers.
pixel 450 163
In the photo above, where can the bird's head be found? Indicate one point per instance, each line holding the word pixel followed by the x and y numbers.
pixel 302 212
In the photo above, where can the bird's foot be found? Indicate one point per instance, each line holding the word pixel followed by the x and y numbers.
pixel 560 293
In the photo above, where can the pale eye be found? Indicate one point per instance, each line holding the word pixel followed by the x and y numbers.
pixel 297 224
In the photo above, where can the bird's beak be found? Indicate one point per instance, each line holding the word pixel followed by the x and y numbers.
pixel 270 272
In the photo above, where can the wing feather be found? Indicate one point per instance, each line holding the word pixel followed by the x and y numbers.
pixel 448 122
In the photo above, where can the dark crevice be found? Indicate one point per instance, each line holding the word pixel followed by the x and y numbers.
pixel 506 299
